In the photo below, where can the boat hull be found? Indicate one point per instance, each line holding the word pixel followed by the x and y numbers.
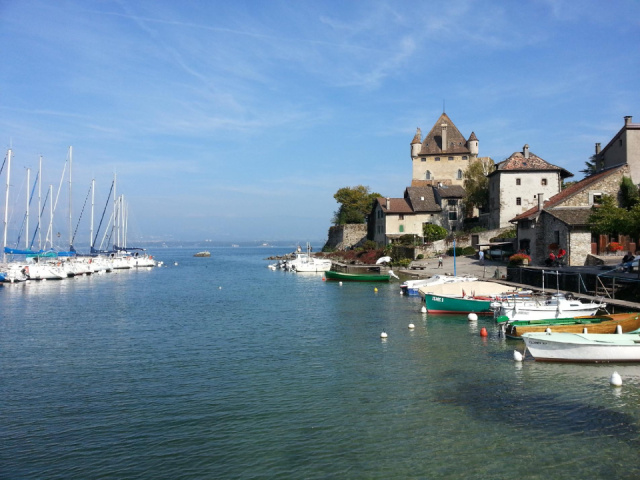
pixel 459 305
pixel 588 348
pixel 356 277
pixel 628 322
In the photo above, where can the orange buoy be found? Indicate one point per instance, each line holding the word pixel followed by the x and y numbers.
pixel 324 279
pixel 483 332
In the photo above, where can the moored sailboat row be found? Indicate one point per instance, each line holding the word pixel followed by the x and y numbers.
pixel 46 261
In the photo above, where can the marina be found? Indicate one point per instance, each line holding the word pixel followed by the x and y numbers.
pixel 196 379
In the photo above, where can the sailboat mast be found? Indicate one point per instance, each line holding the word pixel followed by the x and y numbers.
pixel 40 203
pixel 70 224
pixel 93 197
pixel 26 225
pixel 115 209
pixel 6 208
pixel 50 230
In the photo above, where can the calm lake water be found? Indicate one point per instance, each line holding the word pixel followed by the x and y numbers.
pixel 221 368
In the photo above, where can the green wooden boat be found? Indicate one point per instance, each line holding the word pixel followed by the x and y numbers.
pixel 356 277
pixel 455 304
pixel 628 322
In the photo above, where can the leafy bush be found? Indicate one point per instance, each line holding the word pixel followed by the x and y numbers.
pixel 326 249
pixel 433 233
pixel 518 259
pixel 407 239
pixel 420 256
pixel 370 245
pixel 461 251
pixel 478 230
pixel 403 262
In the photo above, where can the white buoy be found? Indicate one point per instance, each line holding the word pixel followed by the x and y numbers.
pixel 176 264
pixel 411 326
pixel 219 288
pixel 517 356
pixel 547 331
pixel 383 334
pixel 472 317
pixel 618 328
pixel 423 309
pixel 615 379
pixel 340 283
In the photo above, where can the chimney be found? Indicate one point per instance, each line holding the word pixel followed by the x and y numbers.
pixel 444 137
pixel 598 148
pixel 388 203
pixel 540 202
pixel 627 120
pixel 525 151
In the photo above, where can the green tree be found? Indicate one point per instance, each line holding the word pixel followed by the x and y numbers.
pixel 476 183
pixel 628 193
pixel 355 204
pixel 590 165
pixel 607 218
pixel 432 232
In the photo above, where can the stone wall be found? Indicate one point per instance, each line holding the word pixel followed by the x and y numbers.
pixel 343 237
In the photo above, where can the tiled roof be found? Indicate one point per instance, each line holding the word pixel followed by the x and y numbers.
pixel 422 199
pixel 567 192
pixel 473 137
pixel 432 144
pixel 518 162
pixel 451 191
pixel 397 205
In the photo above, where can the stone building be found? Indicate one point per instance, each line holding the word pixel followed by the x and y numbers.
pixel 562 220
pixel 444 154
pixel 516 183
pixel 393 217
pixel 624 148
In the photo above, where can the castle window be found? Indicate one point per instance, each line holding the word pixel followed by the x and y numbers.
pixel 423 159
pixel 428 175
pixel 518 201
pixel 459 174
pixel 450 158
pixel 543 182
pixel 437 159
pixel 464 157
pixel 401 217
pixel 517 181
pixel 453 216
pixel 401 229
pixel 452 201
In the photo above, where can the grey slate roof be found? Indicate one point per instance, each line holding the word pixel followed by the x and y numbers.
pixel 451 191
pixel 572 216
pixel 422 199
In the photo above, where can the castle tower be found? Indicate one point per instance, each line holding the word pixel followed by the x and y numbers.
pixel 473 144
pixel 416 143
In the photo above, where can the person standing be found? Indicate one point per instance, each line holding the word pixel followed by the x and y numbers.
pixel 440 261
pixel 481 257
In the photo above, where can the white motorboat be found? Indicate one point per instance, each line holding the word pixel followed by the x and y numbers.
pixel 583 347
pixel 305 262
pixel 555 306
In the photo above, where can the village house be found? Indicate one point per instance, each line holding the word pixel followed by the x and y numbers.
pixel 516 183
pixel 562 220
pixel 624 148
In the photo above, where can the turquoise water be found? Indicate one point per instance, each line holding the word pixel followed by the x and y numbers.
pixel 221 368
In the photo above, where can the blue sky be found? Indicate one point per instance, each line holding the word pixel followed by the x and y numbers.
pixel 240 120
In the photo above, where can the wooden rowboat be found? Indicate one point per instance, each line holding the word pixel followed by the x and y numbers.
pixel 628 322
pixel 583 347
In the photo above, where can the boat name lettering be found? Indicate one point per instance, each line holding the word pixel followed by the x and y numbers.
pixel 437 299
